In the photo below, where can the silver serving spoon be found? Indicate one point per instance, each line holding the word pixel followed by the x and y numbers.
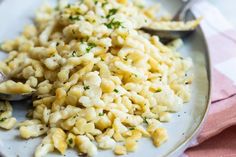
pixel 168 35
pixel 12 97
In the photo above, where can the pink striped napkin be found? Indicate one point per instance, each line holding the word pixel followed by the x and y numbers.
pixel 218 135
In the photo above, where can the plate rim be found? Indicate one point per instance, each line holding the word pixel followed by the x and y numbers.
pixel 184 145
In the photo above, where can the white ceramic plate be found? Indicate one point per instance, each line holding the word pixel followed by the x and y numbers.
pixel 14 14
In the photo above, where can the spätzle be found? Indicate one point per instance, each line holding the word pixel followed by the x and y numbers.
pixel 97 79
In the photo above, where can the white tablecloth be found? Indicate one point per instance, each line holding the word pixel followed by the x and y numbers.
pixel 227 7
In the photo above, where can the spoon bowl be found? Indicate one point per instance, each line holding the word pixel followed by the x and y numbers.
pixel 168 35
pixel 12 97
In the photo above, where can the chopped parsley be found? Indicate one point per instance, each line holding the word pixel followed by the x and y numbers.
pixel 104 4
pixel 86 87
pixel 74 54
pixel 56 8
pixel 74 17
pixel 158 90
pixel 111 12
pixel 3 119
pixel 70 141
pixel 131 128
pixel 57 44
pixel 68 6
pixel 115 90
pixel 95 2
pixel 140 6
pixel 145 120
pixel 101 114
pixel 90 47
pixel 113 24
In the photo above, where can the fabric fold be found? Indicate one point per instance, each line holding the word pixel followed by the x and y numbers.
pixel 218 134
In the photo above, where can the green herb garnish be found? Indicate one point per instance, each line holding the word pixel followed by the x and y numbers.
pixel 145 120
pixel 74 17
pixel 3 119
pixel 86 87
pixel 111 12
pixel 68 6
pixel 140 6
pixel 90 46
pixel 113 24
pixel 95 2
pixel 158 90
pixel 104 4
pixel 70 141
pixel 115 90
pixel 56 8
pixel 131 128
pixel 101 114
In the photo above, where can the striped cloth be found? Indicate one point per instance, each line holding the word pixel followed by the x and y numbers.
pixel 218 136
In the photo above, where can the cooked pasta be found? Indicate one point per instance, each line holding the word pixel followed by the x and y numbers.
pixel 96 78
pixel 6 120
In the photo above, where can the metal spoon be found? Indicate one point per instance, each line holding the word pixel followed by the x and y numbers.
pixel 12 97
pixel 168 35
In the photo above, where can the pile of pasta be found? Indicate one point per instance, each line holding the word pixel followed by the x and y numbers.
pixel 97 81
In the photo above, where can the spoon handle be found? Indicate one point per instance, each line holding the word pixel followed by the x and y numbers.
pixel 181 14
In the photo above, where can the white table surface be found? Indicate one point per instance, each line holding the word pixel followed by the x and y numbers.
pixel 227 8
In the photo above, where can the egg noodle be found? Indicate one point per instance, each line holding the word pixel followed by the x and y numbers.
pixel 98 82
